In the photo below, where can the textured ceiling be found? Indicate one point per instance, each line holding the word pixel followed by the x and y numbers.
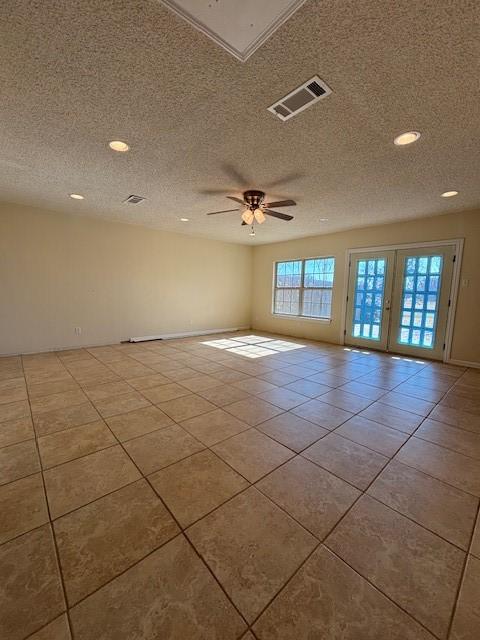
pixel 75 75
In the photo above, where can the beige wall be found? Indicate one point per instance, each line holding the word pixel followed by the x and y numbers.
pixel 115 281
pixel 466 338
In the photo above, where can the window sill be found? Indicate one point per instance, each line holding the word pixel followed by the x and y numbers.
pixel 302 318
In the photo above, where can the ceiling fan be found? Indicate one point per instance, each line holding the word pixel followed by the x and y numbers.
pixel 255 208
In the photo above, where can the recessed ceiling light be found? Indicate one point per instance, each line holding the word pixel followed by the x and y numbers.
pixel 252 233
pixel 407 138
pixel 76 196
pixel 323 219
pixel 184 219
pixel 118 145
pixel 449 194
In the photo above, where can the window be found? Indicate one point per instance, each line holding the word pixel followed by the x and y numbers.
pixel 304 288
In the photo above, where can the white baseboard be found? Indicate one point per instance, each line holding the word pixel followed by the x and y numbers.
pixel 187 334
pixel 463 363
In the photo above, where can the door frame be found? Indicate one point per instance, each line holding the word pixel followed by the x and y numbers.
pixel 456 243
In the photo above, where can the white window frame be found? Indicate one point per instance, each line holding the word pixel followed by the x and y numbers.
pixel 301 289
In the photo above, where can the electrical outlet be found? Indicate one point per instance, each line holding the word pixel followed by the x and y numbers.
pixel 78 331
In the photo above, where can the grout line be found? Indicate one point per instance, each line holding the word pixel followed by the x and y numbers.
pixel 50 524
pixel 462 575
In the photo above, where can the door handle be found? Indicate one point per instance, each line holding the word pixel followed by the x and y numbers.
pixel 387 305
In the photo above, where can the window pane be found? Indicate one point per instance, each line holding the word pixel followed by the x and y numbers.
pixel 319 272
pixel 317 303
pixel 367 316
pixel 287 301
pixel 289 274
pixel 421 285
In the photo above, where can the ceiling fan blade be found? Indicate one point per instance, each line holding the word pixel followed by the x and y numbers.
pixel 214 213
pixel 236 199
pixel 276 214
pixel 216 192
pixel 291 177
pixel 235 175
pixel 281 203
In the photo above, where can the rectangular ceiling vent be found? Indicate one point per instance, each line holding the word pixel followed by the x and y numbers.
pixel 301 98
pixel 134 199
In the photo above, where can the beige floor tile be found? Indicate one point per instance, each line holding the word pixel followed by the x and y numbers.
pixel 195 486
pixel 61 419
pixel 322 414
pixel 13 431
pixel 14 411
pixel 121 404
pixel 158 449
pixel 23 507
pixel 147 382
pixel 98 392
pixel 326 599
pixel 352 462
pixel 311 495
pixel 363 390
pixel 230 375
pixel 255 386
pixel 253 411
pixel 137 423
pixel 466 622
pixel 102 539
pixel 252 547
pixel 44 404
pixel 372 435
pixel 186 407
pixel 435 505
pixel 328 379
pixel 400 401
pixel 214 426
pixel 345 400
pixel 252 454
pixel 76 483
pixel 279 378
pixel 410 388
pixel 165 392
pixel 283 398
pixel 223 394
pixel 451 467
pixel 56 630
pixel 292 431
pixel 458 440
pixel 200 383
pixel 18 460
pixel 170 594
pixel 49 388
pixel 299 370
pixel 456 418
pixel 415 568
pixel 63 446
pixel 392 417
pixel 13 390
pixel 308 387
pixel 30 589
pixel 176 374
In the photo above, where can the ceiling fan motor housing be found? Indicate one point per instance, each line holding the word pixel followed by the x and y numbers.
pixel 254 198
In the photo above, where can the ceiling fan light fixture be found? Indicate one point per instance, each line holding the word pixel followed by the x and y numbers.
pixel 247 216
pixel 259 216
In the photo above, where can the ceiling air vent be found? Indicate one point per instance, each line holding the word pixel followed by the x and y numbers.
pixel 134 199
pixel 304 96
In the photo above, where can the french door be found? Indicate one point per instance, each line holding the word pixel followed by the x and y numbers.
pixel 398 300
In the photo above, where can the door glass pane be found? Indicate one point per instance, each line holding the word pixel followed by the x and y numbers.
pixel 368 298
pixel 420 295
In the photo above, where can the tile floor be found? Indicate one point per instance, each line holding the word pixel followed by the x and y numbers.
pixel 238 487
